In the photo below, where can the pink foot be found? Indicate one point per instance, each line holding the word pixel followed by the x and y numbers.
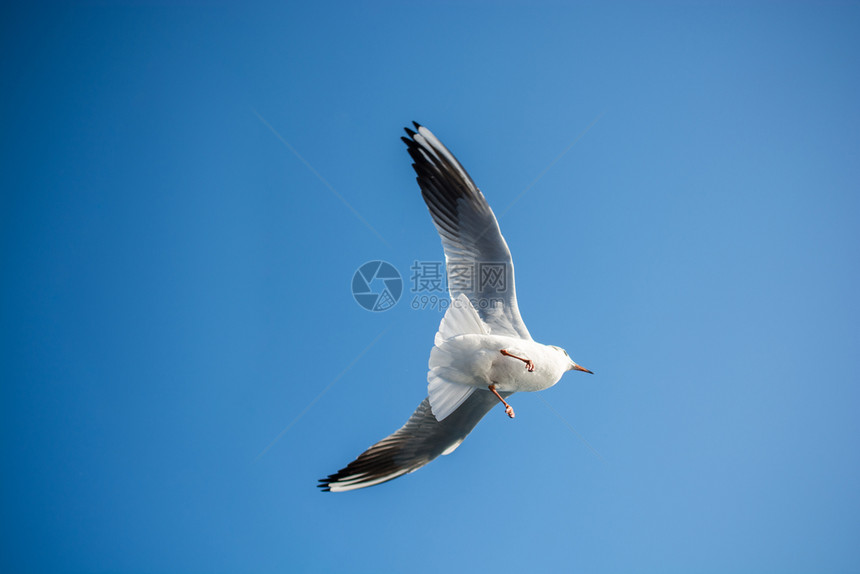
pixel 509 410
pixel 530 366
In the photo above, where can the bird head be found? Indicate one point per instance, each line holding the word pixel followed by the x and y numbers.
pixel 571 365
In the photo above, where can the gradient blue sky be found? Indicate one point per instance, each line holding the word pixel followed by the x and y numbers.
pixel 176 284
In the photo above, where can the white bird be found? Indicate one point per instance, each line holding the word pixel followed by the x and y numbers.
pixel 483 352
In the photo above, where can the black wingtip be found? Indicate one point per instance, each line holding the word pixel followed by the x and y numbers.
pixel 417 125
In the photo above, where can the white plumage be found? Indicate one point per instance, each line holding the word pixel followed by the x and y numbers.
pixel 483 351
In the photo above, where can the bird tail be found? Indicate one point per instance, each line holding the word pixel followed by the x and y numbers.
pixel 461 318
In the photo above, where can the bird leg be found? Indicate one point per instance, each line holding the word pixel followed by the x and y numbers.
pixel 509 410
pixel 530 366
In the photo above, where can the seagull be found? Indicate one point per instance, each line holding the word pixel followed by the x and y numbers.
pixel 483 352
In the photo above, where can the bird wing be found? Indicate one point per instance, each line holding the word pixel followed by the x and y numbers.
pixel 477 258
pixel 416 443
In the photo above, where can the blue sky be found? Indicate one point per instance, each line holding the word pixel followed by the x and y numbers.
pixel 679 184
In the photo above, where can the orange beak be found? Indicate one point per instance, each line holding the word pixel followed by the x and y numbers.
pixel 576 367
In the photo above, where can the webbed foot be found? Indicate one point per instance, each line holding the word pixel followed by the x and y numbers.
pixel 509 410
pixel 530 365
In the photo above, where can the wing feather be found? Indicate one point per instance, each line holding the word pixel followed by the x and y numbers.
pixel 478 261
pixel 416 443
